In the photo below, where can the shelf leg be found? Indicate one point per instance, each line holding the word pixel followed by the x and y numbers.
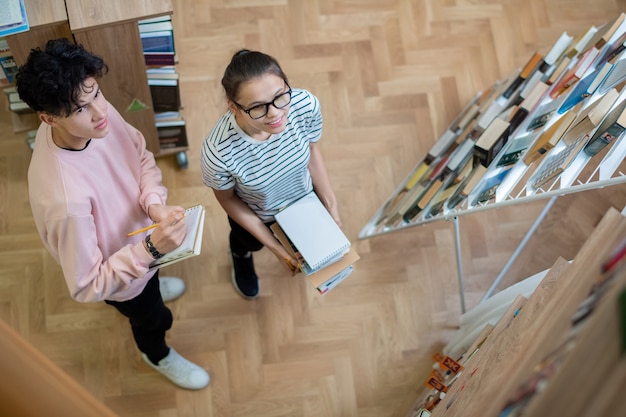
pixel 520 247
pixel 459 264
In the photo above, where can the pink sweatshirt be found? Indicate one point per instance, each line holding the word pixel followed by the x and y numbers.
pixel 85 202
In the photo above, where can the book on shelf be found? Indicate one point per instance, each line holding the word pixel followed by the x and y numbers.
pixel 581 43
pixel 487 188
pixel 155 19
pixel 430 190
pixel 614 49
pixel 436 205
pixel 162 75
pixel 547 65
pixel 165 95
pixel 172 134
pixel 585 87
pixel 559 70
pixel 527 70
pixel 491 141
pixel 392 205
pixel 9 67
pixel 605 33
pixel 550 137
pixel 192 243
pixel 574 139
pixel 308 232
pixel 610 129
pixel 20 108
pixel 515 149
pixel 466 186
pixel 163 118
pixel 615 77
pixel 158 24
pixel 159 59
pixel 161 41
pixel 420 182
pixel 576 72
pixel 527 105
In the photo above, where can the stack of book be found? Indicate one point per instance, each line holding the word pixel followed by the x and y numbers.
pixel 9 67
pixel 157 38
pixel 16 105
pixel 311 236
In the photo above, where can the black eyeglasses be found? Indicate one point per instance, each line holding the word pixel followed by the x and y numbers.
pixel 260 110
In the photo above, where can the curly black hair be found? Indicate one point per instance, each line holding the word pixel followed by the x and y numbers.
pixel 52 79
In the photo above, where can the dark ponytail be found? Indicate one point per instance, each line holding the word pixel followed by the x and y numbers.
pixel 246 65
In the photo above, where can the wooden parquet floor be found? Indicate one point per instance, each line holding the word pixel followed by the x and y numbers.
pixel 390 75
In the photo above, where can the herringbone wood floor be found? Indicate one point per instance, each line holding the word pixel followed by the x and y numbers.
pixel 390 75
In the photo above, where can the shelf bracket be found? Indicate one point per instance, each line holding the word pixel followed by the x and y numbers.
pixel 520 247
pixel 459 264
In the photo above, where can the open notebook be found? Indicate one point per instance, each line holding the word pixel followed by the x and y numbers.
pixel 194 220
pixel 313 233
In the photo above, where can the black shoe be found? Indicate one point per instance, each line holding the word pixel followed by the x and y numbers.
pixel 244 278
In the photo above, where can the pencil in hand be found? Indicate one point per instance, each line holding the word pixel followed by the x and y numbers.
pixel 152 226
pixel 143 229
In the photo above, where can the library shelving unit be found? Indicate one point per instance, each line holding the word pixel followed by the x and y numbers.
pixel 556 347
pixel 109 29
pixel 522 140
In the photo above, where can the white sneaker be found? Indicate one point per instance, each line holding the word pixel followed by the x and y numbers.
pixel 180 371
pixel 171 288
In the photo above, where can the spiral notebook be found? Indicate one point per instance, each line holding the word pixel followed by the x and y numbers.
pixel 194 220
pixel 313 233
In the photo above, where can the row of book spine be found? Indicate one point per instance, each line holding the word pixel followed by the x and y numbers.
pixel 520 121
pixel 157 39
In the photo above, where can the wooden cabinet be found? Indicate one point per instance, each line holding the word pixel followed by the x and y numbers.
pixel 110 30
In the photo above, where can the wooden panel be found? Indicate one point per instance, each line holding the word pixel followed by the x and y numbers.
pixel 21 43
pixel 24 370
pixel 85 14
pixel 126 81
pixel 45 12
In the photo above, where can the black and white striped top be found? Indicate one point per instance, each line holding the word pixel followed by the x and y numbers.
pixel 267 175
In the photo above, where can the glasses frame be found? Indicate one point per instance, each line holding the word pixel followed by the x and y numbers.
pixel 267 105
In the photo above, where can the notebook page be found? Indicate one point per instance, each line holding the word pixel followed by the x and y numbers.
pixel 313 231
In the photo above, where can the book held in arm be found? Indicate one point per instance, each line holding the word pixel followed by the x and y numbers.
pixel 307 230
pixel 192 244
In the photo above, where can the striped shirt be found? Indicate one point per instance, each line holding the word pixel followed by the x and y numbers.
pixel 267 175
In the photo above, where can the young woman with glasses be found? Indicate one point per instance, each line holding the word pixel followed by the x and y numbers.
pixel 262 155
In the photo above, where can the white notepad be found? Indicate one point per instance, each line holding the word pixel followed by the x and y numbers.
pixel 192 244
pixel 313 232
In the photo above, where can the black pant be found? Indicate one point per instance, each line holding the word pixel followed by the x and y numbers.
pixel 149 319
pixel 242 241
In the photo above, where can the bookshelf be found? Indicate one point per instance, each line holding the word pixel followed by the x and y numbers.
pixel 498 150
pixel 110 30
pixel 565 336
